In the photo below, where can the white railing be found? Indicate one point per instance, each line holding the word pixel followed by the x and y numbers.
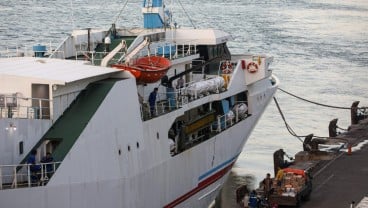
pixel 20 176
pixel 96 57
pixel 20 107
pixel 165 49
pixel 227 120
pixel 170 101
pixel 27 51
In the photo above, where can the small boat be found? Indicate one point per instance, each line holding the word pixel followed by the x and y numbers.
pixel 147 69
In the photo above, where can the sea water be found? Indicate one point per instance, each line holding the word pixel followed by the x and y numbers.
pixel 320 50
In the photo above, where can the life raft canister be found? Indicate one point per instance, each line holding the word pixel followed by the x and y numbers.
pixel 226 67
pixel 252 67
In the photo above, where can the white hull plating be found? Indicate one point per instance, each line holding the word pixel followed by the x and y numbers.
pixel 120 161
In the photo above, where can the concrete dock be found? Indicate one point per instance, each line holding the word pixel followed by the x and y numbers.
pixel 345 178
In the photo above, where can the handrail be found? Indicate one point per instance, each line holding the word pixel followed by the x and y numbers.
pixel 10 178
pixel 177 99
pixel 22 107
pixel 26 51
pixel 227 120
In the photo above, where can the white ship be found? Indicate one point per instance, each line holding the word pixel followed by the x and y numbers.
pixel 110 148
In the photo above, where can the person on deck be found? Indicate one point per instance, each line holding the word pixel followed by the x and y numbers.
pixel 33 168
pixel 267 185
pixel 180 84
pixel 253 200
pixel 152 101
pixel 279 177
pixel 48 159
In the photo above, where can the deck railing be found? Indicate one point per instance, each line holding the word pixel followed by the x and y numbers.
pixel 27 51
pixel 29 108
pixel 20 176
pixel 172 100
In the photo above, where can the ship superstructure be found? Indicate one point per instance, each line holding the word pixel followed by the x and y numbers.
pixel 111 147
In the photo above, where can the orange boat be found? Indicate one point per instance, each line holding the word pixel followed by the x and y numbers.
pixel 147 69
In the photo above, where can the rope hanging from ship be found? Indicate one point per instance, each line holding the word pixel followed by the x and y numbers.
pixel 290 130
pixel 288 127
pixel 321 104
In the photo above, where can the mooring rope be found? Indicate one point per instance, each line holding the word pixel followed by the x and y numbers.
pixel 288 127
pixel 321 104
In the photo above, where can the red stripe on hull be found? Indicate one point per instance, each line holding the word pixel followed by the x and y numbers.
pixel 205 183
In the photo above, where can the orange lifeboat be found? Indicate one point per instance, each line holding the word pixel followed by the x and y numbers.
pixel 147 69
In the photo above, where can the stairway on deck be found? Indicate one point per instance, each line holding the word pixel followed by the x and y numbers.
pixel 67 129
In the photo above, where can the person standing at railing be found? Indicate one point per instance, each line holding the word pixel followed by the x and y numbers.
pixel 48 167
pixel 34 169
pixel 152 101
pixel 180 84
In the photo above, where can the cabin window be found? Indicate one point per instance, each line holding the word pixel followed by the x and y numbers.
pixel 21 149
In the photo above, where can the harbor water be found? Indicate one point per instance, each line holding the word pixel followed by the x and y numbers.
pixel 320 50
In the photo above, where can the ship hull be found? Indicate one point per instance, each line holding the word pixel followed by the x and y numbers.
pixel 135 168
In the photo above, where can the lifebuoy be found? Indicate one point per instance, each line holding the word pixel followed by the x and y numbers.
pixel 226 67
pixel 252 67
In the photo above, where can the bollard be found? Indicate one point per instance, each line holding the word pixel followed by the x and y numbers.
pixel 354 112
pixel 332 128
pixel 352 205
pixel 349 149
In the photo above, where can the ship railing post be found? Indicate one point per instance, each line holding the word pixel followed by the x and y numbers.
pixel 163 107
pixel 219 123
pixel 1 179
pixel 53 167
pixel 15 182
pixel 176 51
pixel 29 175
pixel 40 109
pixel 170 51
pixel 141 109
pixel 163 50
pixel 237 115
pixel 225 121
pixel 42 173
